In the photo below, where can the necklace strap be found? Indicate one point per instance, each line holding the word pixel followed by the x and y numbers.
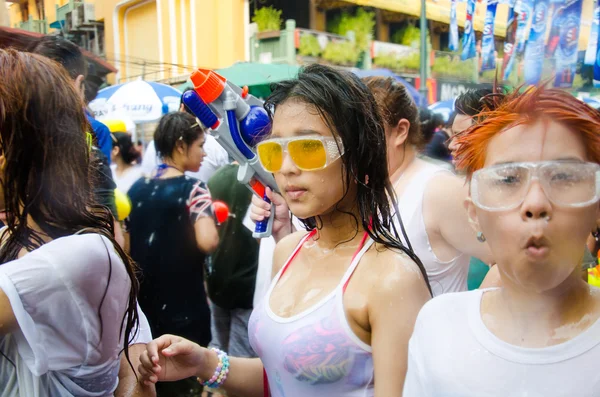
pixel 162 169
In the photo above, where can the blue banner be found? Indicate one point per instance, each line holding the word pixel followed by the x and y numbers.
pixel 568 43
pixel 534 53
pixel 509 44
pixel 556 19
pixel 453 45
pixel 597 62
pixel 488 46
pixel 524 10
pixel 469 50
pixel 590 53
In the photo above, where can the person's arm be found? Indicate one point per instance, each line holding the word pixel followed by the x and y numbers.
pixel 171 358
pixel 201 213
pixel 8 321
pixel 399 294
pixel 128 382
pixel 207 236
pixel 444 201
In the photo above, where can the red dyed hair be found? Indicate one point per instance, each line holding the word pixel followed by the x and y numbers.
pixel 527 108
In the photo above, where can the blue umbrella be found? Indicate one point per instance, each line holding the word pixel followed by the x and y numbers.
pixel 445 108
pixel 419 99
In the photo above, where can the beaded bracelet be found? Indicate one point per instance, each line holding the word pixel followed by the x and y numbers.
pixel 221 371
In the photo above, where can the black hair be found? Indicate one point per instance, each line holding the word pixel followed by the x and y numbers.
pixel 430 122
pixel 127 150
pixel 174 127
pixel 474 101
pixel 350 111
pixel 63 51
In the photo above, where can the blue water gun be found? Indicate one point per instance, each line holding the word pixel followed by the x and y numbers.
pixel 238 121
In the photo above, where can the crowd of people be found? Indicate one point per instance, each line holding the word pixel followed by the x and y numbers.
pixel 387 220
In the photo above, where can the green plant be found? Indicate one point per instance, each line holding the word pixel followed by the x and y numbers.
pixel 267 18
pixel 341 53
pixel 408 63
pixel 452 66
pixel 362 24
pixel 309 46
pixel 410 36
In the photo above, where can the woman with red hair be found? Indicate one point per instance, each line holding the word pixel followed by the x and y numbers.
pixel 534 179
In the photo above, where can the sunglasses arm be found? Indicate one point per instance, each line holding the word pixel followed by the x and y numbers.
pixel 238 121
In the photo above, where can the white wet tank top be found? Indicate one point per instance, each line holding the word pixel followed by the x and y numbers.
pixel 444 277
pixel 314 353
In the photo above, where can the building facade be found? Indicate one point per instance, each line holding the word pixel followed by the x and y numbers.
pixel 162 40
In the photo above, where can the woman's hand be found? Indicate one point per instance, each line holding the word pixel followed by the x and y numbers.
pixel 260 209
pixel 171 358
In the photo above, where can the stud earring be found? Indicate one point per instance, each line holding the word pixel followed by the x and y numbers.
pixel 481 237
pixel 596 234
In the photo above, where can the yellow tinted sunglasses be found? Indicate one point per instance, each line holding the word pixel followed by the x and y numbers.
pixel 308 153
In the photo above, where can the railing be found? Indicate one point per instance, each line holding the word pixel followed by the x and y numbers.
pixel 61 12
pixel 274 46
pixel 398 58
pixel 448 65
pixel 301 46
pixel 34 25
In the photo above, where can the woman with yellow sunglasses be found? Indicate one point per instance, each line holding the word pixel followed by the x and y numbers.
pixel 345 295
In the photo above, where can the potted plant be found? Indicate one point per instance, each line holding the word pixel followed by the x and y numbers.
pixel 268 20
pixel 342 53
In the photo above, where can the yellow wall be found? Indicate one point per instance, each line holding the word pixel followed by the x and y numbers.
pixel 161 32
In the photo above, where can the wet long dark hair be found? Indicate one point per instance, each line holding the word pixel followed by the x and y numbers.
pixel 47 170
pixel 350 111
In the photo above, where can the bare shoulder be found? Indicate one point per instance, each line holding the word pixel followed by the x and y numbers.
pixel 391 270
pixel 284 249
pixel 444 181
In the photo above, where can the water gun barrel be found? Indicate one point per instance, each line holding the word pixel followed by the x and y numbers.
pixel 237 120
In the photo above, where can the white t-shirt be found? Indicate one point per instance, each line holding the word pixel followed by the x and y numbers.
pixel 55 293
pixel 216 157
pixel 127 179
pixel 452 353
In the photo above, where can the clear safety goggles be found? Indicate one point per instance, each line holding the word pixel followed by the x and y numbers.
pixel 565 183
pixel 308 153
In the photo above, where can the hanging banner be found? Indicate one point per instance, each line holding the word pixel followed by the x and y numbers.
pixel 488 46
pixel 524 10
pixel 568 43
pixel 534 52
pixel 597 64
pixel 469 50
pixel 509 44
pixel 453 45
pixel 556 17
pixel 590 53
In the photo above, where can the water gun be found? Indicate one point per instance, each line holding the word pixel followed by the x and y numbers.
pixel 238 122
pixel 594 274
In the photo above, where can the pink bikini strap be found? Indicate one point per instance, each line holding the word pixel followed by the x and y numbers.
pixel 297 249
